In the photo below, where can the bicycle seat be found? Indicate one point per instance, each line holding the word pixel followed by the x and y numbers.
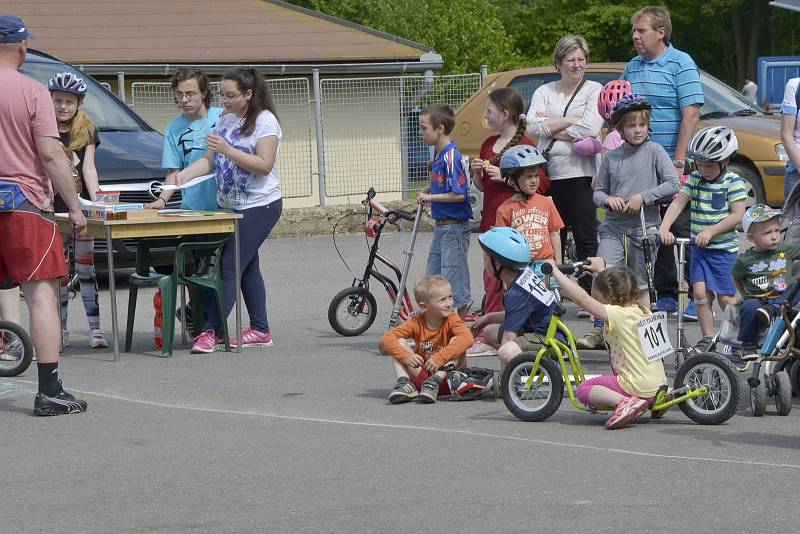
pixel 559 310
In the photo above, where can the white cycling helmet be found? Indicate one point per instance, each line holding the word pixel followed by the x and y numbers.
pixel 715 143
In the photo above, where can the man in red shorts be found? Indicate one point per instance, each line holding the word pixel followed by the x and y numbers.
pixel 32 161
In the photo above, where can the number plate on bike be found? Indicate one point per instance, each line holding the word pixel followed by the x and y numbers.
pixel 535 286
pixel 654 337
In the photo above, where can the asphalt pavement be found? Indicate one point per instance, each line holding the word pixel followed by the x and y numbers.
pixel 299 438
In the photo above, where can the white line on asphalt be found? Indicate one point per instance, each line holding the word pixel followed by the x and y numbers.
pixel 443 430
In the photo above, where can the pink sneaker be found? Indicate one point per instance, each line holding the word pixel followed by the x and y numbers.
pixel 253 338
pixel 627 411
pixel 205 343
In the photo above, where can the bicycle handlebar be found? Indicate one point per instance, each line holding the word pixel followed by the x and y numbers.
pixel 566 268
pixel 391 215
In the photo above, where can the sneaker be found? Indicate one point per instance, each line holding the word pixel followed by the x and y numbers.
pixel 481 349
pixel 690 313
pixel 667 304
pixel 253 338
pixel 593 340
pixel 61 403
pixel 205 343
pixel 404 391
pixel 429 391
pixel 96 339
pixel 627 411
pixel 704 345
pixel 663 395
pixel 766 314
pixel 583 314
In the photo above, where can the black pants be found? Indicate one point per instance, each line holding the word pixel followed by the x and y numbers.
pixel 573 200
pixel 665 276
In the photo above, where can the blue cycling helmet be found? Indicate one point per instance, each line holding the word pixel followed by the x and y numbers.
pixel 520 157
pixel 68 83
pixel 626 104
pixel 507 246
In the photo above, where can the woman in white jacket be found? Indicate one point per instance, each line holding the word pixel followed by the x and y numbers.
pixel 558 125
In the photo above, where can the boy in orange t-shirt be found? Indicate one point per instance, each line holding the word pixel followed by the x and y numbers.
pixel 439 336
pixel 531 214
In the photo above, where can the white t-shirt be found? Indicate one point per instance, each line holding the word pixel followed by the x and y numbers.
pixel 789 107
pixel 238 188
pixel 562 162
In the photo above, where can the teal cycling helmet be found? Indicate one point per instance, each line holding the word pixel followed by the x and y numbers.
pixel 520 157
pixel 507 247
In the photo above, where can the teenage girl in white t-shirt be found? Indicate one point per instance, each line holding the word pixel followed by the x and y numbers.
pixel 242 152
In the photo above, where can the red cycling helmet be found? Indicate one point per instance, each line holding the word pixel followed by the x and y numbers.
pixel 610 94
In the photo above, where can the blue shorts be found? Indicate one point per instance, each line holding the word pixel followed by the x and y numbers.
pixel 715 268
pixel 448 257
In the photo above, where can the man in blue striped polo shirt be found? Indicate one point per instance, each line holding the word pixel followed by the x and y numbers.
pixel 670 81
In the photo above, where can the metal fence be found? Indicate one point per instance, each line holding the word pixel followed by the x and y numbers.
pixel 155 102
pixel 369 128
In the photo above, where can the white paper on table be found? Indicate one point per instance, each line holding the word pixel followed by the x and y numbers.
pixel 190 183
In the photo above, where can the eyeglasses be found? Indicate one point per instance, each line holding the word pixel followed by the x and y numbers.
pixel 227 97
pixel 188 94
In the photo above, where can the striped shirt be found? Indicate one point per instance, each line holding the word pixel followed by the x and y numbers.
pixel 711 202
pixel 669 82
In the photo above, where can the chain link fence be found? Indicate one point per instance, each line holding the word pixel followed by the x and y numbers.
pixel 369 128
pixel 155 102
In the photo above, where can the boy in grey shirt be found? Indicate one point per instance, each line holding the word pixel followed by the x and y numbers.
pixel 634 176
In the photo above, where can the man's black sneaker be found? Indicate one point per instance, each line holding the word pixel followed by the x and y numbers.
pixel 60 404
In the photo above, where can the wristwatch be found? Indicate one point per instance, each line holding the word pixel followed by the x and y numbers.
pixel 679 163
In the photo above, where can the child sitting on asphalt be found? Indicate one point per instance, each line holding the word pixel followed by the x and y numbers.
pixel 439 337
pixel 615 300
pixel 717 198
pixel 523 323
pixel 761 274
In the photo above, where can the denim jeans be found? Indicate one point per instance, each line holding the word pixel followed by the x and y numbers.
pixel 790 179
pixel 448 257
pixel 749 327
pixel 253 231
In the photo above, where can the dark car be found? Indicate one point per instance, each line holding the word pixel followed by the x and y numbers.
pixel 129 155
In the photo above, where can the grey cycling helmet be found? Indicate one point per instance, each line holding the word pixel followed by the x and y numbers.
pixel 68 83
pixel 715 143
pixel 520 157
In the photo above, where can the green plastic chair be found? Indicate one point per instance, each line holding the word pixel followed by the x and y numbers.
pixel 208 277
pixel 168 284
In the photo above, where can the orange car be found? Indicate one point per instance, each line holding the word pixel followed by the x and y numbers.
pixel 761 159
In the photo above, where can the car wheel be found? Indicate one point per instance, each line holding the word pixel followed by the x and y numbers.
pixel 752 183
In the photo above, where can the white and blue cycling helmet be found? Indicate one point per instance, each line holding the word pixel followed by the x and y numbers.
pixel 68 83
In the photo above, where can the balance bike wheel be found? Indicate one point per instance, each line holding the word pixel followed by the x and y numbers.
pixel 543 398
pixel 352 311
pixel 783 393
pixel 16 349
pixel 758 395
pixel 718 374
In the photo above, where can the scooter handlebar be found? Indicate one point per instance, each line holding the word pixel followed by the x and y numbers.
pixel 678 241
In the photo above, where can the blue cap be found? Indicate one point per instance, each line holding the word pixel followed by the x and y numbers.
pixel 12 29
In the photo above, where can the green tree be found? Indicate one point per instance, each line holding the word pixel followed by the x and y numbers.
pixel 467 35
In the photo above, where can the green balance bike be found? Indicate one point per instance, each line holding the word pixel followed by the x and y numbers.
pixel 532 384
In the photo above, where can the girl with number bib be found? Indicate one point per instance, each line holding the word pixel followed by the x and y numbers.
pixel 79 137
pixel 615 300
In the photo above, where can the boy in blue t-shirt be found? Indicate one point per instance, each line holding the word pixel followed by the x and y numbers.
pixel 448 196
pixel 524 321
